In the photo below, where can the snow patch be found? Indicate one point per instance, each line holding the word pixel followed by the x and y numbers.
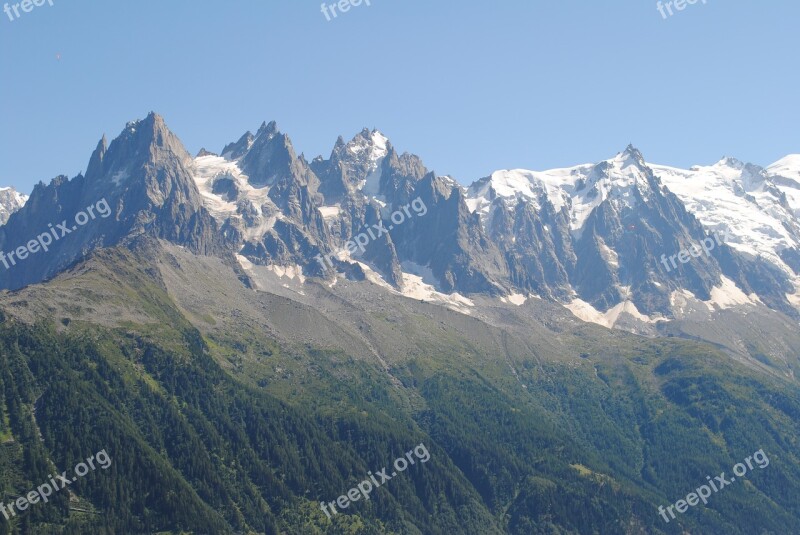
pixel 587 312
pixel 329 212
pixel 418 283
pixel 786 175
pixel 290 272
pixel 583 310
pixel 788 167
pixel 257 272
pixel 610 255
pixel 683 301
pixel 728 295
pixel 415 287
pixel 207 169
pixel 794 299
pixel 517 299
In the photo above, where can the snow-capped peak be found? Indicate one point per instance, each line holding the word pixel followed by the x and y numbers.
pixel 626 169
pixel 372 144
pixel 631 155
pixel 363 156
pixel 580 189
pixel 785 174
pixel 730 161
pixel 10 201
pixel 787 167
pixel 740 200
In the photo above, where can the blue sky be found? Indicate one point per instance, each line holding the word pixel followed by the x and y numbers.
pixel 471 86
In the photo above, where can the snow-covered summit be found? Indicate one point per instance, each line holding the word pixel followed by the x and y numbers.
pixel 10 201
pixel 362 157
pixel 785 173
pixel 740 200
pixel 579 189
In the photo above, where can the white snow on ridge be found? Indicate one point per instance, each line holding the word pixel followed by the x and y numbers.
pixel 379 147
pixel 579 189
pixel 18 197
pixel 728 198
pixel 786 174
pixel 376 143
pixel 207 169
pixel 788 167
pixel 516 184
pixel 371 151
pixel 10 201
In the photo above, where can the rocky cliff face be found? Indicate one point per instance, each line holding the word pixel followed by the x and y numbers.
pixel 143 178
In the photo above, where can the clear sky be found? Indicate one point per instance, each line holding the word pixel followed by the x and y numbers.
pixel 471 86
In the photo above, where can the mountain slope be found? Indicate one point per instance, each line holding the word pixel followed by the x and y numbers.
pixel 200 377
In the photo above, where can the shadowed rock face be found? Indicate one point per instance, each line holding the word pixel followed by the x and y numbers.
pixel 615 253
pixel 143 176
pixel 366 181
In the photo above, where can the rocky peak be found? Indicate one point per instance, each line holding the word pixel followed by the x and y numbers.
pixel 237 149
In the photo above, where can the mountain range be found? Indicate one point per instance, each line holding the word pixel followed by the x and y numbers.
pixel 261 329
pixel 595 238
